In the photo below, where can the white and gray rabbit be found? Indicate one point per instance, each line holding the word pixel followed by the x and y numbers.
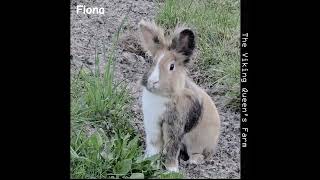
pixel 178 114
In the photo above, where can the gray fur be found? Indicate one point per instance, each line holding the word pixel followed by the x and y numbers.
pixel 193 115
pixel 144 80
pixel 174 132
pixel 145 77
pixel 179 123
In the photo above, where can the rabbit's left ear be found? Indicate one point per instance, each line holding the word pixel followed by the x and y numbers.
pixel 183 42
pixel 151 36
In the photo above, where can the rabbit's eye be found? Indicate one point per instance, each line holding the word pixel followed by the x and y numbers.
pixel 171 67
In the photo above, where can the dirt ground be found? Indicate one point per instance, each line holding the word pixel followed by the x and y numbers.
pixel 91 31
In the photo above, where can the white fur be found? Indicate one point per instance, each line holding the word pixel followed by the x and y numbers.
pixel 155 75
pixel 173 169
pixel 153 107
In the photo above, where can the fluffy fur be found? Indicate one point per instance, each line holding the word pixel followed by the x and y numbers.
pixel 178 114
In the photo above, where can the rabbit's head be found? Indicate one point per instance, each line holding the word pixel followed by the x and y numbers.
pixel 170 54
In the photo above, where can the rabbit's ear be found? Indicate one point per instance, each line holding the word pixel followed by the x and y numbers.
pixel 183 42
pixel 151 36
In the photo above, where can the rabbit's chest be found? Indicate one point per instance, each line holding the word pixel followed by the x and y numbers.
pixel 153 106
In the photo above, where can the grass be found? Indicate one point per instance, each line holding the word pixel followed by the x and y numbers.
pixel 103 142
pixel 217 25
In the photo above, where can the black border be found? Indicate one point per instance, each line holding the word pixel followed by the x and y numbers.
pixel 244 96
pixel 38 50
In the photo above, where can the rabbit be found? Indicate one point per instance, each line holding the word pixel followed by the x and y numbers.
pixel 178 115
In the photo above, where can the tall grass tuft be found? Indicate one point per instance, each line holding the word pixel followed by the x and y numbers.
pixel 103 142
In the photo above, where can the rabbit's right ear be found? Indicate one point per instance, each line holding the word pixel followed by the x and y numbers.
pixel 151 37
